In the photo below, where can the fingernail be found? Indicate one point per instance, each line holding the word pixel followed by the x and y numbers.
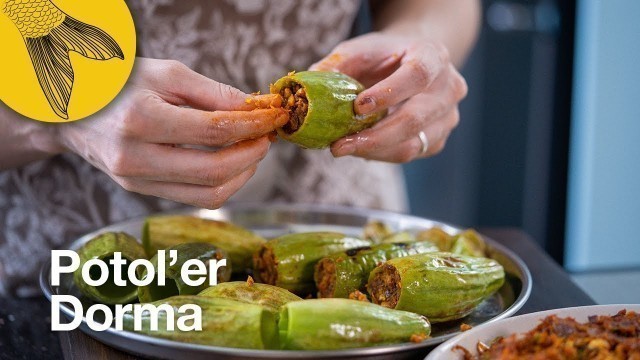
pixel 346 148
pixel 366 105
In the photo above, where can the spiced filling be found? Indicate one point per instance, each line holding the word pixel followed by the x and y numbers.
pixel 385 287
pixel 357 295
pixel 295 101
pixel 326 278
pixel 265 266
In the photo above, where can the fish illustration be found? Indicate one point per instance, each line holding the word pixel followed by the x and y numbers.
pixel 49 35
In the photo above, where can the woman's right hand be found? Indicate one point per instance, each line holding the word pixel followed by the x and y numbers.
pixel 166 104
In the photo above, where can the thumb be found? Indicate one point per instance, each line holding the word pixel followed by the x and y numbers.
pixel 360 57
pixel 344 60
pixel 179 84
pixel 203 93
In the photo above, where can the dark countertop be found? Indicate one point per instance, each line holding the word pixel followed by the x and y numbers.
pixel 552 286
pixel 25 323
pixel 25 330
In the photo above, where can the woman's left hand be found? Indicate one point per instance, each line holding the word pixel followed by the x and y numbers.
pixel 415 80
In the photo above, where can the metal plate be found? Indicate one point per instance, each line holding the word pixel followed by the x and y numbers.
pixel 274 220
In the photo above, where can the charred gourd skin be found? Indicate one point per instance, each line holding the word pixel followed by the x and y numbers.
pixel 330 324
pixel 328 101
pixel 225 322
pixel 288 261
pixel 103 247
pixel 161 232
pixel 340 274
pixel 271 297
pixel 173 279
pixel 440 285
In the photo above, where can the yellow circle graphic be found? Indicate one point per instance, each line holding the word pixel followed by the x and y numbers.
pixel 64 60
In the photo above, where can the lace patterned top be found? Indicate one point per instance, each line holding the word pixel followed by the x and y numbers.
pixel 245 43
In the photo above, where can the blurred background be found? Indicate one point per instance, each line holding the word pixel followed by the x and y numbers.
pixel 550 138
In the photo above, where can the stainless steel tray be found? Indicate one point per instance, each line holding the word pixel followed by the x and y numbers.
pixel 274 220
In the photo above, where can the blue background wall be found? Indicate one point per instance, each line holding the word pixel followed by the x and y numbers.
pixel 603 215
pixel 526 127
pixel 499 167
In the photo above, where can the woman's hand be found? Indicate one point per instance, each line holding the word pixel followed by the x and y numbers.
pixel 415 80
pixel 136 141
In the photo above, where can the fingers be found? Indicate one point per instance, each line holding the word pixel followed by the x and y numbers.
pixel 132 141
pixel 159 122
pixel 418 71
pixel 266 101
pixel 406 151
pixel 412 149
pixel 392 144
pixel 362 56
pixel 196 195
pixel 403 124
pixel 179 85
pixel 396 137
pixel 191 166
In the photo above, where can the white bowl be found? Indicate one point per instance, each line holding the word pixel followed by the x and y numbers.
pixel 518 324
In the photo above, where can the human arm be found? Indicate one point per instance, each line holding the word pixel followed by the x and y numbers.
pixel 137 139
pixel 453 23
pixel 23 141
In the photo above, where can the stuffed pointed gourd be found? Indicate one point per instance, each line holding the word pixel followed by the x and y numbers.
pixel 375 231
pixel 440 285
pixel 404 237
pixel 340 274
pixel 470 243
pixel 174 285
pixel 288 261
pixel 225 322
pixel 329 324
pixel 442 239
pixel 161 232
pixel 271 297
pixel 103 247
pixel 320 106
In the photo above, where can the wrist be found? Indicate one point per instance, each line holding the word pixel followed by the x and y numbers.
pixel 414 33
pixel 46 138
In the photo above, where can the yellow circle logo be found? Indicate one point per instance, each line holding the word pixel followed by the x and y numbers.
pixel 64 60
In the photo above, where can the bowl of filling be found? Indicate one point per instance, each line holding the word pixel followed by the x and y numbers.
pixel 586 332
